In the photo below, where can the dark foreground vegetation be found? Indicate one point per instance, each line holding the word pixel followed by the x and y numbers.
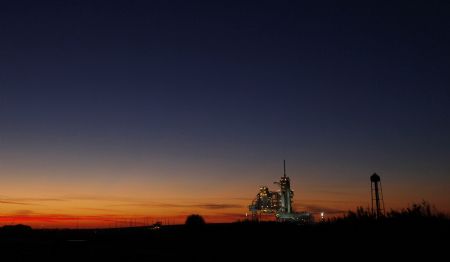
pixel 415 233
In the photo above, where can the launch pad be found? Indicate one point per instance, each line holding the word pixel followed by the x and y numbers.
pixel 278 204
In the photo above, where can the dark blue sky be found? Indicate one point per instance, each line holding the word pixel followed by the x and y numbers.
pixel 340 90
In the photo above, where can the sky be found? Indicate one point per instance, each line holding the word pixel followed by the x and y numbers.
pixel 121 112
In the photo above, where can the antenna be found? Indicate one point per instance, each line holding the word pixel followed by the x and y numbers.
pixel 284 165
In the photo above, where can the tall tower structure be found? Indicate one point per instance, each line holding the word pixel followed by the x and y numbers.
pixel 278 203
pixel 285 192
pixel 376 193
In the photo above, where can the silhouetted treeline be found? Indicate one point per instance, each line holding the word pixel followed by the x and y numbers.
pixel 417 232
pixel 416 213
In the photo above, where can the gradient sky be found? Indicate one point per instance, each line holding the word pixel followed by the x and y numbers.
pixel 119 110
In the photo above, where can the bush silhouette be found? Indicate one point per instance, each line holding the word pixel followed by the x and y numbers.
pixel 16 229
pixel 194 221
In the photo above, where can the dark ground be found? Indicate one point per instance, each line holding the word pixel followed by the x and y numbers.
pixel 345 240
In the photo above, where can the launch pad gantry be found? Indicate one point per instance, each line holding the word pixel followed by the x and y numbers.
pixel 278 203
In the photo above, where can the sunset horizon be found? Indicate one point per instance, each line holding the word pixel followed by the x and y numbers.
pixel 117 113
pixel 124 209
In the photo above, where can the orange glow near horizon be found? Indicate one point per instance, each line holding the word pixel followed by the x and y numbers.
pixel 109 199
pixel 103 212
pixel 112 221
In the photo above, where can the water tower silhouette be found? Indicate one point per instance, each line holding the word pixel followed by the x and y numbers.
pixel 377 196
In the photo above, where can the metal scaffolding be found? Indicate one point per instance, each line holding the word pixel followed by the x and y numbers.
pixel 278 203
